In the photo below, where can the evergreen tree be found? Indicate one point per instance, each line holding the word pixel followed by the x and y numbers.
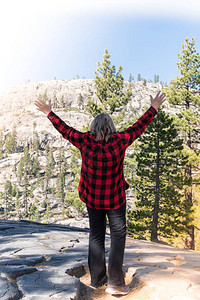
pixel 7 196
pixel 27 163
pixel 11 141
pixel 50 165
pixel 144 82
pixel 109 88
pixel 36 141
pixel 184 94
pixel 61 184
pixel 139 78
pixel 61 158
pixel 35 166
pixel 161 209
pixel 24 165
pixel 156 78
pixel 18 204
pixel 2 141
pixel 80 101
pixel 131 78
pixel 20 170
pixel 26 192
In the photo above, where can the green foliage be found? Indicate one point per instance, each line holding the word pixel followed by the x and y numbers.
pixel 27 163
pixel 33 213
pixel 109 88
pixel 2 141
pixel 75 163
pixel 139 77
pixel 35 166
pixel 184 94
pixel 26 192
pixel 50 164
pixel 8 187
pixel 7 196
pixel 72 199
pixel 156 78
pixel 24 165
pixel 36 141
pixel 11 141
pixel 61 184
pixel 80 101
pixel 44 204
pixel 160 204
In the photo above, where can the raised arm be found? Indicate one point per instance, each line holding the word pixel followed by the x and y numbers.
pixel 72 135
pixel 133 132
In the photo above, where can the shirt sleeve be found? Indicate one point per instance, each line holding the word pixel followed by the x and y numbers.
pixel 74 136
pixel 129 135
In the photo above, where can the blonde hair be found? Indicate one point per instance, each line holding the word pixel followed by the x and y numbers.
pixel 102 126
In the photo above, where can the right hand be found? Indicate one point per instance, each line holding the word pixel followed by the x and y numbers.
pixel 42 106
pixel 158 100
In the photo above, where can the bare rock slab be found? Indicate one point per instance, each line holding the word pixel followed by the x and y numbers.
pixel 8 291
pixel 48 283
pixel 48 261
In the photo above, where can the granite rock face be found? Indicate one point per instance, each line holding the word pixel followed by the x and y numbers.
pixel 49 261
pixel 17 103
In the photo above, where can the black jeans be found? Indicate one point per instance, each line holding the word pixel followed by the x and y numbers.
pixel 96 257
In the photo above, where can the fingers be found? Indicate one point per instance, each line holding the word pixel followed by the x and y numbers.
pixel 39 104
pixel 161 96
pixel 158 93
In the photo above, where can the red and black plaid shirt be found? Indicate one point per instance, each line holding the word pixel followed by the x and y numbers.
pixel 102 184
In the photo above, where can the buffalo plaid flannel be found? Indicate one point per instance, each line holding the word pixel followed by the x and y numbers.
pixel 102 184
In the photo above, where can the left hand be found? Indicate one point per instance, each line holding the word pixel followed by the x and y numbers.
pixel 43 107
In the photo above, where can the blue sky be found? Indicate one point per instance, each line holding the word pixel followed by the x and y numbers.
pixel 44 39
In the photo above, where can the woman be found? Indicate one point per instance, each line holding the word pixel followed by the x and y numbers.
pixel 102 187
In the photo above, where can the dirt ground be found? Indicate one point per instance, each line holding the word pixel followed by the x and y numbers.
pixel 100 293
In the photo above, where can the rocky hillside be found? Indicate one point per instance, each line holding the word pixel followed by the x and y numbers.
pixel 17 103
pixel 69 100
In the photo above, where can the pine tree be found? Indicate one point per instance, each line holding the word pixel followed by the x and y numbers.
pixel 27 161
pixel 2 141
pixel 36 141
pixel 7 196
pixel 11 141
pixel 109 88
pixel 80 101
pixel 18 204
pixel 35 166
pixel 50 165
pixel 26 193
pixel 131 78
pixel 184 94
pixel 20 170
pixel 156 78
pixel 161 209
pixel 139 78
pixel 61 185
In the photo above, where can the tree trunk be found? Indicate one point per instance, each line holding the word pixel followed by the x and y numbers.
pixel 189 241
pixel 154 228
